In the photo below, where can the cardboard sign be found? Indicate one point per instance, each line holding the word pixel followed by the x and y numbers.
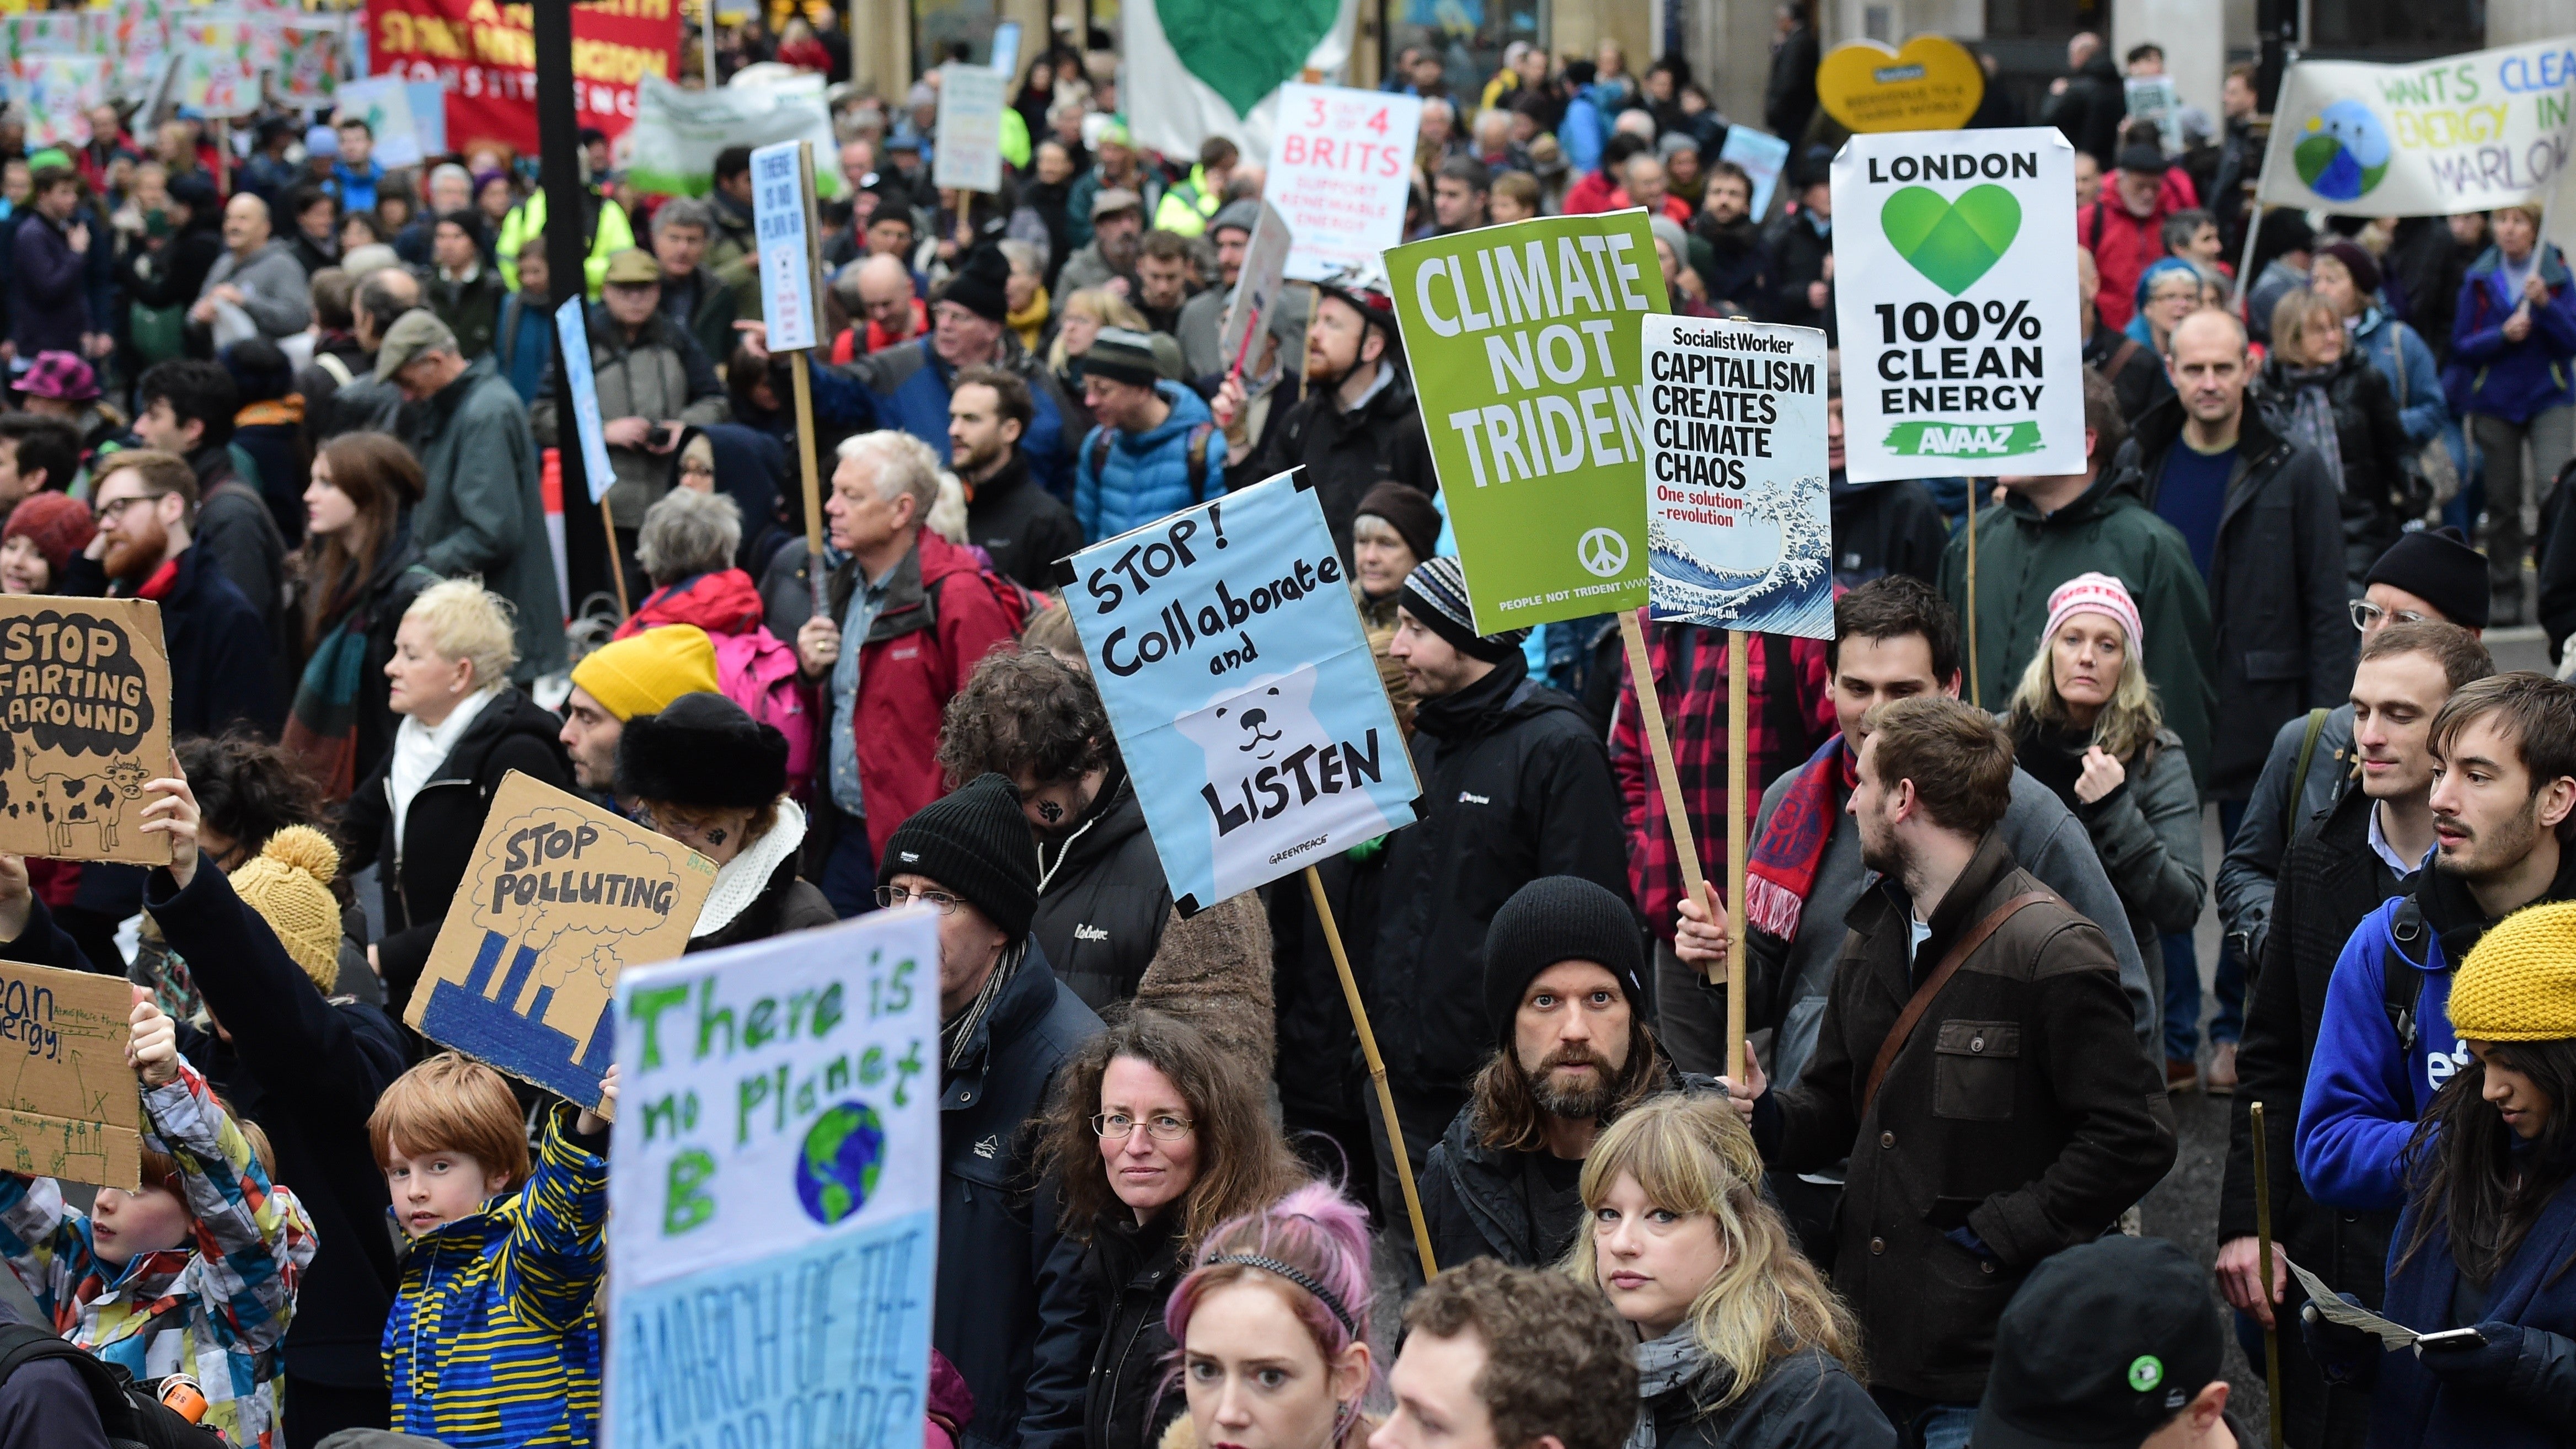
pixel 1240 686
pixel 1763 158
pixel 1256 291
pixel 69 1104
pixel 1524 343
pixel 84 721
pixel 2428 138
pixel 782 208
pixel 1955 289
pixel 773 1191
pixel 1739 527
pixel 572 342
pixel 560 897
pixel 1933 84
pixel 1341 167
pixel 969 152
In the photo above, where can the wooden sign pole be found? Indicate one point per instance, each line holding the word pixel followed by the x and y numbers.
pixel 811 476
pixel 616 564
pixel 1659 747
pixel 2263 1265
pixel 1739 724
pixel 1377 1072
pixel 1974 697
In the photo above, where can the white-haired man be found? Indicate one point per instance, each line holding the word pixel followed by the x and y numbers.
pixel 910 614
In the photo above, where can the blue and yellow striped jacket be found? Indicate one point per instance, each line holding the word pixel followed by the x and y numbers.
pixel 493 1342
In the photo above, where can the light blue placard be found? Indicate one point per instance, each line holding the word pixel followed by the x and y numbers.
pixel 827 1345
pixel 1239 682
pixel 428 114
pixel 572 332
pixel 1763 158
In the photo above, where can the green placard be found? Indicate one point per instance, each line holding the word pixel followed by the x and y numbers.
pixel 1527 358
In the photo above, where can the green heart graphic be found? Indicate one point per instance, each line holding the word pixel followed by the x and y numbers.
pixel 1952 243
pixel 1243 61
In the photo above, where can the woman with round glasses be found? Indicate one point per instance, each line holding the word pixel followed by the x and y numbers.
pixel 1156 1138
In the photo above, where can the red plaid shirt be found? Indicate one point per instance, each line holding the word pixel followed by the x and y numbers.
pixel 1786 727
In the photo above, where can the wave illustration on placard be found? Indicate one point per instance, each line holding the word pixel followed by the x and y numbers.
pixel 1791 593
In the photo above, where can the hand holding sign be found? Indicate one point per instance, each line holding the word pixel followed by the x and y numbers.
pixel 153 1049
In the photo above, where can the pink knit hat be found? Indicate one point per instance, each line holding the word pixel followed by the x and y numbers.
pixel 2095 594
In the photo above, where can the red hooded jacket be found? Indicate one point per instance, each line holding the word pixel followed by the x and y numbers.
pixel 940 619
pixel 2124 246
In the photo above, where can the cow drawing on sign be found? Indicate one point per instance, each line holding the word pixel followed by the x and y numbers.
pixel 69 798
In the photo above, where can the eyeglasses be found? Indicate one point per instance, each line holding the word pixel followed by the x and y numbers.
pixel 2367 616
pixel 109 511
pixel 892 896
pixel 1162 1126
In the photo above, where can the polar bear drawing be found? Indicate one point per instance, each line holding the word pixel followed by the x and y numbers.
pixel 1272 763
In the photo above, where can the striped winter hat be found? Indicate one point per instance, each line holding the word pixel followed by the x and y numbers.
pixel 1122 355
pixel 1436 594
pixel 2519 983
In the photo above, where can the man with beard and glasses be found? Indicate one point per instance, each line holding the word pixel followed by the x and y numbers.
pixel 2504 807
pixel 1562 990
pixel 1104 913
pixel 2368 846
pixel 1977 1063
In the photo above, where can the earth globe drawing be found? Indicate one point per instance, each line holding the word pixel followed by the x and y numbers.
pixel 2342 152
pixel 837 1170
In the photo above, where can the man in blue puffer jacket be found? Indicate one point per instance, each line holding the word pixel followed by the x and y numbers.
pixel 2504 749
pixel 1157 448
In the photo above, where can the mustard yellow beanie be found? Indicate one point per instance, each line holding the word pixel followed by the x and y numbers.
pixel 2519 983
pixel 643 672
pixel 289 884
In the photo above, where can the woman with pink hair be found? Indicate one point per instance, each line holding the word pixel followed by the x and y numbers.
pixel 1272 1324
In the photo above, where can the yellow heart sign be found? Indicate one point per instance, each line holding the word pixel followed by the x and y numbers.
pixel 1933 84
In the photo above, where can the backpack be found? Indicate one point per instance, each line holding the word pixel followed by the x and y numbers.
pixel 756 671
pixel 132 1413
pixel 1197 464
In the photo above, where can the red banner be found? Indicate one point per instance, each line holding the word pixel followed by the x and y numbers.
pixel 484 55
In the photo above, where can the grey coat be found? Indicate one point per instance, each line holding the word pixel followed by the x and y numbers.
pixel 1792 978
pixel 2147 833
pixel 2253 865
pixel 663 376
pixel 483 513
pixel 274 289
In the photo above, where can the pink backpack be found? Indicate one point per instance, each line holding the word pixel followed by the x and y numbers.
pixel 759 673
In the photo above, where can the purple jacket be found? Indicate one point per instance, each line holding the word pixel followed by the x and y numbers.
pixel 48 303
pixel 2509 380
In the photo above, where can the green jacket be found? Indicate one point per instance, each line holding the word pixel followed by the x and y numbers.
pixel 470 308
pixel 482 514
pixel 2022 558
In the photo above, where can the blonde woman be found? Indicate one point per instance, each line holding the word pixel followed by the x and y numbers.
pixel 2085 723
pixel 1739 1343
pixel 463 728
pixel 2320 390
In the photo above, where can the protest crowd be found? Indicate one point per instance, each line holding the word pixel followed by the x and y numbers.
pixel 315 408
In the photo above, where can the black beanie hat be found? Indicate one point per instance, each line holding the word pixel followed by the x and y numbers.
pixel 702 750
pixel 1409 511
pixel 974 841
pixel 1558 918
pixel 980 285
pixel 2437 566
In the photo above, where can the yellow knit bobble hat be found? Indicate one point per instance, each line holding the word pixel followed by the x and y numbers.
pixel 289 884
pixel 2519 983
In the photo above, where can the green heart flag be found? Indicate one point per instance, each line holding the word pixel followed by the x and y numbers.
pixel 1952 243
pixel 1201 68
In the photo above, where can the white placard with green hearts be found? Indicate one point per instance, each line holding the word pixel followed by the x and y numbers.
pixel 1955 291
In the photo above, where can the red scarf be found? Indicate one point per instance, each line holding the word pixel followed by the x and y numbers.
pixel 162 581
pixel 1782 869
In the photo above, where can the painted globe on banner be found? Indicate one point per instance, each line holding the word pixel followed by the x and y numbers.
pixel 837 1170
pixel 2342 152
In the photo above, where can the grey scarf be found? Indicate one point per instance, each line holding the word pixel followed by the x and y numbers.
pixel 2312 419
pixel 1663 1365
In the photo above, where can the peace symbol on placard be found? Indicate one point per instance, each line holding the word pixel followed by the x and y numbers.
pixel 1602 552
